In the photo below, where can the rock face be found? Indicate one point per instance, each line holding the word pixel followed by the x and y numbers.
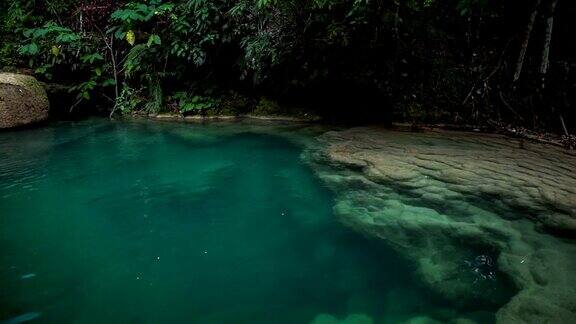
pixel 457 202
pixel 23 101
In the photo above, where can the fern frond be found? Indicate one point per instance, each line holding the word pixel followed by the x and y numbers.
pixel 156 96
pixel 134 58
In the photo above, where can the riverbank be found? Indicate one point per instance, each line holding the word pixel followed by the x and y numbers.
pixel 201 118
pixel 563 141
pixel 235 106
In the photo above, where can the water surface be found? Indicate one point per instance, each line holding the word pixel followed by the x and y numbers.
pixel 106 222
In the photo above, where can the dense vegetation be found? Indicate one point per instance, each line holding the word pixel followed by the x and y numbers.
pixel 480 62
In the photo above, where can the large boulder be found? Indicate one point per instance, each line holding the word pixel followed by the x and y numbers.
pixel 23 100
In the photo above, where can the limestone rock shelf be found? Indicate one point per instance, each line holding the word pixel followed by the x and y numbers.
pixel 436 196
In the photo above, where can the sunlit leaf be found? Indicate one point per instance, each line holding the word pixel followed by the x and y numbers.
pixel 131 37
pixel 55 50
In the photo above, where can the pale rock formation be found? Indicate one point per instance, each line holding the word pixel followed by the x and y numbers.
pixel 438 198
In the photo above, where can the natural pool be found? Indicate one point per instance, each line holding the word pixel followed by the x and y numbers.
pixel 143 222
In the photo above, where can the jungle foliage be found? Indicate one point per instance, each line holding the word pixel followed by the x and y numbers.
pixel 480 62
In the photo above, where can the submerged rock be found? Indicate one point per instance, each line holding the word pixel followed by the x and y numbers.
pixel 482 267
pixel 23 100
pixel 350 319
pixel 24 318
pixel 422 320
pixel 28 276
pixel 435 197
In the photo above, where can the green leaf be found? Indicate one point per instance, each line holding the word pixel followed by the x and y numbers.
pixel 40 32
pixel 91 58
pixel 42 69
pixel 108 82
pixel 120 34
pixel 131 37
pixel 29 50
pixel 28 33
pixel 67 38
pixel 154 40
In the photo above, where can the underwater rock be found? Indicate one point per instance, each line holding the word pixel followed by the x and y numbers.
pixel 435 197
pixel 23 100
pixel 350 319
pixel 325 319
pixel 462 321
pixel 28 276
pixel 24 318
pixel 482 267
pixel 422 320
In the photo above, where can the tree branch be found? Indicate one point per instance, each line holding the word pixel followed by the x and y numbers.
pixel 526 40
pixel 548 37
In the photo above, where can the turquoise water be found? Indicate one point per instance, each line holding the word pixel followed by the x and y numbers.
pixel 106 222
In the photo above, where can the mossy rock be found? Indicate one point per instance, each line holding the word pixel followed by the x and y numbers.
pixel 23 101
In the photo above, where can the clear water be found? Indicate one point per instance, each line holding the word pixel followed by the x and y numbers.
pixel 169 223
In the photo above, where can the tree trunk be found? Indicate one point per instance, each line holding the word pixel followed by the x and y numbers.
pixel 397 33
pixel 526 40
pixel 548 37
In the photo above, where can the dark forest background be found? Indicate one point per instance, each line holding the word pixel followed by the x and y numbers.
pixel 468 62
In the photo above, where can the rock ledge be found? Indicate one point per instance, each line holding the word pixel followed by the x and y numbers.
pixel 23 101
